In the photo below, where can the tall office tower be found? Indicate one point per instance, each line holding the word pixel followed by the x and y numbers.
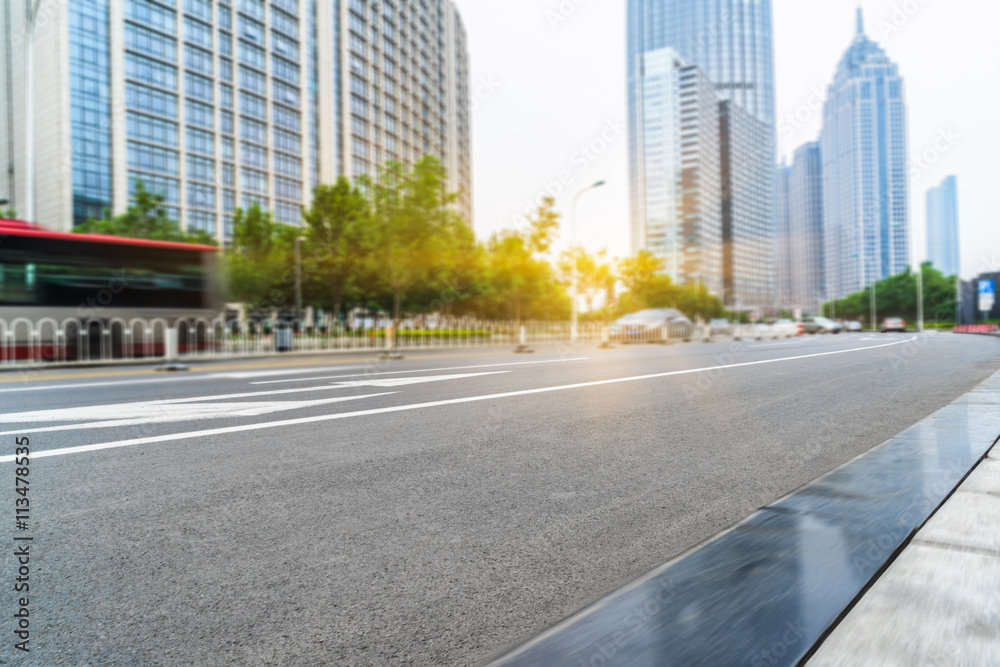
pixel 942 227
pixel 865 188
pixel 681 193
pixel 783 232
pixel 217 105
pixel 748 210
pixel 730 40
pixel 806 240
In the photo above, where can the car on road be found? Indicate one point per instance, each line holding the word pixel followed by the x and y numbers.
pixel 787 329
pixel 894 324
pixel 720 328
pixel 815 325
pixel 648 326
pixel 853 327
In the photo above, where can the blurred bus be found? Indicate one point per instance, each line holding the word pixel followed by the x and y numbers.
pixel 109 295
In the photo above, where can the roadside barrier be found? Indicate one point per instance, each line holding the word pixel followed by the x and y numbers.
pixel 47 342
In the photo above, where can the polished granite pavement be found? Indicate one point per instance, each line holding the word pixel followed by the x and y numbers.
pixel 939 602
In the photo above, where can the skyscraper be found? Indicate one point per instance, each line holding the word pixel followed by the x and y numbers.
pixel 681 195
pixel 748 211
pixel 806 239
pixel 865 187
pixel 783 234
pixel 217 105
pixel 942 227
pixel 730 43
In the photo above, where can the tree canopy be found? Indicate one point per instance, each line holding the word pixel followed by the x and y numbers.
pixel 896 296
pixel 145 218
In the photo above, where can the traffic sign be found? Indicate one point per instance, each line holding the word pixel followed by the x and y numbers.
pixel 987 295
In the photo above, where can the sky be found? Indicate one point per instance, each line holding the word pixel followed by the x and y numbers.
pixel 549 91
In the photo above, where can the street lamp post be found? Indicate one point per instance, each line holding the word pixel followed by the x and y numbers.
pixel 298 279
pixel 572 234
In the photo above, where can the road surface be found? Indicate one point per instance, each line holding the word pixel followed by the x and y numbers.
pixel 430 511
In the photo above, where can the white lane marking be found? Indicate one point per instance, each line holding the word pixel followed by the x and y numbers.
pixel 432 370
pixel 422 406
pixel 181 378
pixel 163 414
pixel 205 407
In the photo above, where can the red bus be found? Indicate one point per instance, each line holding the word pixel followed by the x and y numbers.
pixel 79 296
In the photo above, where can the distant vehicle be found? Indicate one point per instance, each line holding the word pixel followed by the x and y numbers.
pixel 853 327
pixel 647 326
pixel 102 293
pixel 787 329
pixel 894 324
pixel 815 325
pixel 721 328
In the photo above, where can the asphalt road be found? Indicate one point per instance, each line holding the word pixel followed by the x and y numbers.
pixel 431 511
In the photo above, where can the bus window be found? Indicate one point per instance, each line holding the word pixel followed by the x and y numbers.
pixel 17 283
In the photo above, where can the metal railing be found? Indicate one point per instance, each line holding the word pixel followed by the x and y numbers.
pixel 74 341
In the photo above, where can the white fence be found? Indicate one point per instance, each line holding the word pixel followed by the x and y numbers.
pixel 46 341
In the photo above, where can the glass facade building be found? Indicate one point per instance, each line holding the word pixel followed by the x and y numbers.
pixel 730 43
pixel 219 104
pixel 800 237
pixel 865 177
pixel 681 189
pixel 942 227
pixel 748 212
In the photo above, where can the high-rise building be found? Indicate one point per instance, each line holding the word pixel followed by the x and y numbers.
pixel 942 227
pixel 681 192
pixel 748 211
pixel 805 230
pixel 731 44
pixel 783 233
pixel 865 187
pixel 220 104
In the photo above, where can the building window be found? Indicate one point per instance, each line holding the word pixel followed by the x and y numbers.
pixel 254 181
pixel 168 188
pixel 200 169
pixel 253 156
pixel 149 100
pixel 152 130
pixel 152 158
pixel 198 87
pixel 152 15
pixel 150 71
pixel 197 32
pixel 151 43
pixel 199 114
pixel 199 141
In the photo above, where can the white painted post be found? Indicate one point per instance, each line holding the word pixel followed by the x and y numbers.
pixel 524 336
pixel 171 343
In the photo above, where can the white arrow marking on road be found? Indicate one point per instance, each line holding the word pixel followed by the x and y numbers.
pixel 133 414
pixel 182 409
pixel 402 382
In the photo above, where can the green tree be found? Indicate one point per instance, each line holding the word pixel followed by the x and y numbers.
pixel 145 218
pixel 415 228
pixel 8 214
pixel 896 296
pixel 338 242
pixel 258 260
pixel 648 287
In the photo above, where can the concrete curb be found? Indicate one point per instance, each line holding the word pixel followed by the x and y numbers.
pixel 768 590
